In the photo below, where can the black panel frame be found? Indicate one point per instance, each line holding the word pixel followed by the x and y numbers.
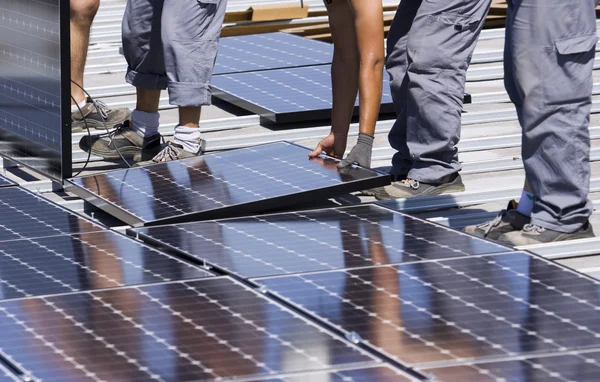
pixel 36 161
pixel 270 205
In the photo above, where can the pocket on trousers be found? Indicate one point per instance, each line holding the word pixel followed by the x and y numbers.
pixel 566 70
pixel 195 21
pixel 448 41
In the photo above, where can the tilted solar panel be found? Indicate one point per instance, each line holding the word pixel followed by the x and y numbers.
pixel 26 215
pixel 270 51
pixel 226 184
pixel 5 182
pixel 205 330
pixel 363 374
pixel 454 311
pixel 319 240
pixel 99 260
pixel 35 85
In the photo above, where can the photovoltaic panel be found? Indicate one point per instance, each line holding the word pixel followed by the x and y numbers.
pixel 450 312
pixel 363 374
pixel 270 51
pixel 580 367
pixel 5 182
pixel 25 215
pixel 7 376
pixel 34 85
pixel 183 331
pixel 227 184
pixel 317 240
pixel 286 95
pixel 65 264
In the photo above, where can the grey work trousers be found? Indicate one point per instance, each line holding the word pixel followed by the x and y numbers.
pixel 429 49
pixel 173 44
pixel 548 62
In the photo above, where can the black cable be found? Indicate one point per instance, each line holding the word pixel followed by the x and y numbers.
pixel 87 161
pixel 108 132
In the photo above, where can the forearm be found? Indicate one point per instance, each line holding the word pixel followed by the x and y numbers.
pixel 344 82
pixel 371 81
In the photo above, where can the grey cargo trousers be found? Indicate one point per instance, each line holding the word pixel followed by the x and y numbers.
pixel 429 49
pixel 548 62
pixel 173 44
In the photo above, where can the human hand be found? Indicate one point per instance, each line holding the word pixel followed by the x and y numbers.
pixel 332 145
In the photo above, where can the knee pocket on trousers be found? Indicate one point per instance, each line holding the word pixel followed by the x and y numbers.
pixel 198 21
pixel 446 42
pixel 566 70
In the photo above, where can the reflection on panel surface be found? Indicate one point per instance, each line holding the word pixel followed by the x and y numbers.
pixel 286 95
pixel 184 331
pixel 580 367
pixel 25 215
pixel 270 51
pixel 223 184
pixel 364 374
pixel 62 264
pixel 316 240
pixel 455 310
pixel 31 129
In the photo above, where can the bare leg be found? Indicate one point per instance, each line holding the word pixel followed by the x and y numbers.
pixel 82 15
pixel 189 116
pixel 147 100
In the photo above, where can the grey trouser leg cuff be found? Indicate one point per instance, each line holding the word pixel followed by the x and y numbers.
pixel 187 94
pixel 146 81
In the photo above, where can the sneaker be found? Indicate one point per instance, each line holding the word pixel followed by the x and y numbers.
pixel 410 188
pixel 506 221
pixel 124 142
pixel 380 190
pixel 97 118
pixel 173 151
pixel 532 234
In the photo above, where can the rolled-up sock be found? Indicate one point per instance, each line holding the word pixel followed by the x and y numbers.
pixel 525 206
pixel 188 137
pixel 81 104
pixel 144 123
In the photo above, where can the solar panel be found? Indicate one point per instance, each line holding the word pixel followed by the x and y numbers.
pixel 65 264
pixel 580 367
pixel 183 331
pixel 7 376
pixel 270 51
pixel 363 374
pixel 26 215
pixel 316 240
pixel 454 311
pixel 5 182
pixel 226 184
pixel 34 85
pixel 286 95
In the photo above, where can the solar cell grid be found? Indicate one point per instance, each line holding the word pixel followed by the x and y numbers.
pixel 453 311
pixel 25 215
pixel 32 85
pixel 286 95
pixel 580 367
pixel 225 184
pixel 364 374
pixel 7 376
pixel 183 331
pixel 318 240
pixel 64 264
pixel 270 51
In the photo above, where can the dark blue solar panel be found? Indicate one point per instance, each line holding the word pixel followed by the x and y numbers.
pixel 286 95
pixel 270 51
pixel 34 89
pixel 4 182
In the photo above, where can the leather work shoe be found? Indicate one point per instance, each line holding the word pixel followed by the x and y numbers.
pixel 124 142
pixel 507 220
pixel 97 116
pixel 532 234
pixel 410 188
pixel 173 151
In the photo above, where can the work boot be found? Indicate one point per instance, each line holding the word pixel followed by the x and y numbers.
pixel 410 188
pixel 99 118
pixel 533 234
pixel 507 220
pixel 122 142
pixel 173 151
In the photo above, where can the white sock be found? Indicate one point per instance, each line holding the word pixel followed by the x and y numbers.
pixel 188 137
pixel 525 206
pixel 145 124
pixel 81 104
